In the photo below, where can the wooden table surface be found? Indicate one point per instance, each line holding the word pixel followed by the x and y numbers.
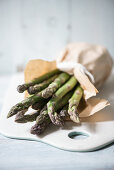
pixel 31 155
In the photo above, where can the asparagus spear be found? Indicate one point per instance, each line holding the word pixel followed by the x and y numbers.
pixel 73 104
pixel 24 104
pixel 41 86
pixel 20 118
pixel 56 84
pixel 43 120
pixel 38 129
pixel 23 87
pixel 69 85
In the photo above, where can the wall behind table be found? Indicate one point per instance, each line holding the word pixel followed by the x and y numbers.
pixel 40 28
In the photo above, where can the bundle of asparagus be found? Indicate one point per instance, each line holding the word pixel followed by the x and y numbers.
pixel 55 96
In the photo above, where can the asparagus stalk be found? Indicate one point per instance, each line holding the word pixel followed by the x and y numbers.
pixel 43 120
pixel 38 129
pixel 56 84
pixel 73 104
pixel 24 104
pixel 69 85
pixel 38 87
pixel 23 87
pixel 20 118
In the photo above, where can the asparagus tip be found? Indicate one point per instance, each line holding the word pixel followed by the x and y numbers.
pixel 75 118
pixel 56 119
pixel 18 118
pixel 21 88
pixel 35 130
pixel 9 115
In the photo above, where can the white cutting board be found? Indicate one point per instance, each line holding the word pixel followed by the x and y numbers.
pixel 98 129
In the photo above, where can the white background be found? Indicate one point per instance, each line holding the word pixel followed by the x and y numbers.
pixel 41 28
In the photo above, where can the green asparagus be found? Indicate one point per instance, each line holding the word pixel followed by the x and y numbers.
pixel 73 104
pixel 55 85
pixel 20 118
pixel 69 85
pixel 38 87
pixel 24 104
pixel 23 87
pixel 38 129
